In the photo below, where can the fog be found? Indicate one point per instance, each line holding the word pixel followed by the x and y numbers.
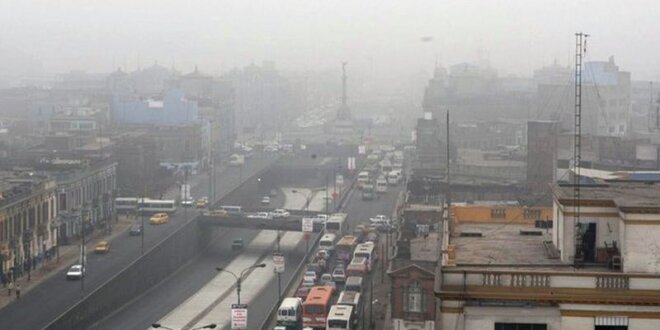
pixel 381 38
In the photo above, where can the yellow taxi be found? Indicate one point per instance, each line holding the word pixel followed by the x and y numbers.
pixel 159 219
pixel 201 203
pixel 102 247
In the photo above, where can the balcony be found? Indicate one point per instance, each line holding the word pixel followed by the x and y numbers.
pixel 554 286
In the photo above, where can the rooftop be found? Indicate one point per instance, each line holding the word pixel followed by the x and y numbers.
pixel 502 245
pixel 622 194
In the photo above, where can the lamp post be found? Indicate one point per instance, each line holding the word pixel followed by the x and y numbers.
pixel 240 278
pixel 307 201
pixel 160 326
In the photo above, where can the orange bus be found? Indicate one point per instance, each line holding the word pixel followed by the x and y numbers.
pixel 345 247
pixel 317 306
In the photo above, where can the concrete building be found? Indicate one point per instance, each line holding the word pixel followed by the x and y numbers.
pixel 172 110
pixel 28 230
pixel 513 276
pixel 606 100
pixel 542 149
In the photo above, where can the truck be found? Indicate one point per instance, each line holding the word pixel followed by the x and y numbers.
pixel 186 198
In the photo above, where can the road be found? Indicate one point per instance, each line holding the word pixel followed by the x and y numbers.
pixel 55 295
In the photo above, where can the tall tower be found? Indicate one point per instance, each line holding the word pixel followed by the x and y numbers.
pixel 344 113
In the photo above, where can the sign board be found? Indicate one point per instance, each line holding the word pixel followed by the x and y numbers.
pixel 362 149
pixel 307 225
pixel 351 163
pixel 278 261
pixel 239 316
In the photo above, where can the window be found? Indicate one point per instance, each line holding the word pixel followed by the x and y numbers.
pixel 498 213
pixel 520 326
pixel 414 298
pixel 532 214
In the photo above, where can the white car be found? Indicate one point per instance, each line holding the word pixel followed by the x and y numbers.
pixel 379 219
pixel 280 213
pixel 265 200
pixel 76 272
pixel 320 218
pixel 260 215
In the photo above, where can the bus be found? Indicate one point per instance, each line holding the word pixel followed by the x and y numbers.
pixel 289 314
pixel 381 185
pixel 233 211
pixel 366 250
pixel 363 178
pixel 345 247
pixel 327 242
pixel 316 306
pixel 358 267
pixel 341 317
pixel 126 204
pixel 337 224
pixel 146 205
pixel 350 298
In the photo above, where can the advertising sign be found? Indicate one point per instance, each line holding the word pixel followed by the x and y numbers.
pixel 239 316
pixel 307 225
pixel 278 261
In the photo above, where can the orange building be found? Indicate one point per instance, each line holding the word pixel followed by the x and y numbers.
pixel 500 214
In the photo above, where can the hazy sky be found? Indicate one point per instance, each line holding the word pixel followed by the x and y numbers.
pixel 516 36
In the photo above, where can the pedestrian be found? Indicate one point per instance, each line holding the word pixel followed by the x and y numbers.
pixel 9 288
pixel 18 291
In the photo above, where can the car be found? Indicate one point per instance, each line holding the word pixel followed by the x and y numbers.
pixel 326 280
pixel 320 219
pixel 265 200
pixel 308 282
pixel 102 247
pixel 202 202
pixel 379 219
pixel 280 213
pixel 76 272
pixel 302 292
pixel 219 213
pixel 273 193
pixel 188 202
pixel 260 215
pixel 323 254
pixel 339 275
pixel 237 244
pixel 311 275
pixel 314 267
pixel 136 230
pixel 159 219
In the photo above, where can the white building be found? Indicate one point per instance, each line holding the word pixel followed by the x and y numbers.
pixel 509 276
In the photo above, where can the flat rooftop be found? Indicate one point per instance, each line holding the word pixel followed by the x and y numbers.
pixel 501 245
pixel 623 194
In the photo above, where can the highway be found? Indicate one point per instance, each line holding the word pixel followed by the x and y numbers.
pixel 55 295
pixel 198 295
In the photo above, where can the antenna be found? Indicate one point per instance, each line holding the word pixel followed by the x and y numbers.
pixel 580 49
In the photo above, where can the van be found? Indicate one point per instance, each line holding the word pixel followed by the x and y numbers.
pixel 233 211
pixel 289 314
pixel 353 284
pixel 327 242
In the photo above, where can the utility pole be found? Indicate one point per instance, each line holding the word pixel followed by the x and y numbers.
pixel 83 256
pixel 580 49
pixel 450 224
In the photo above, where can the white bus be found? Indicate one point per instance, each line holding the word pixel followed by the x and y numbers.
pixel 381 185
pixel 337 224
pixel 327 242
pixel 146 205
pixel 393 178
pixel 126 204
pixel 351 298
pixel 366 250
pixel 289 314
pixel 340 318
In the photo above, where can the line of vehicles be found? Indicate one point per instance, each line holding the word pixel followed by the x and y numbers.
pixel 330 295
pixel 383 169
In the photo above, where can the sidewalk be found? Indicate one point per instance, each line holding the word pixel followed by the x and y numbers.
pixel 68 256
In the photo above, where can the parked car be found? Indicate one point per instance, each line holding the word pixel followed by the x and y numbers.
pixel 265 200
pixel 237 244
pixel 260 215
pixel 159 219
pixel 280 213
pixel 76 272
pixel 136 230
pixel 102 247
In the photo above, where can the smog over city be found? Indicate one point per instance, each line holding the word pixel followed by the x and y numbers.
pixel 296 165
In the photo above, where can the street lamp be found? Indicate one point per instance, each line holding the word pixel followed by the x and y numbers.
pixel 240 278
pixel 208 326
pixel 308 198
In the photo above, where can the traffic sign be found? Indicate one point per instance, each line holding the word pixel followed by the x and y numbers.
pixel 239 316
pixel 307 225
pixel 278 261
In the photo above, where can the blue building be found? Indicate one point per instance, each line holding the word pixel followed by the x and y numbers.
pixel 173 110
